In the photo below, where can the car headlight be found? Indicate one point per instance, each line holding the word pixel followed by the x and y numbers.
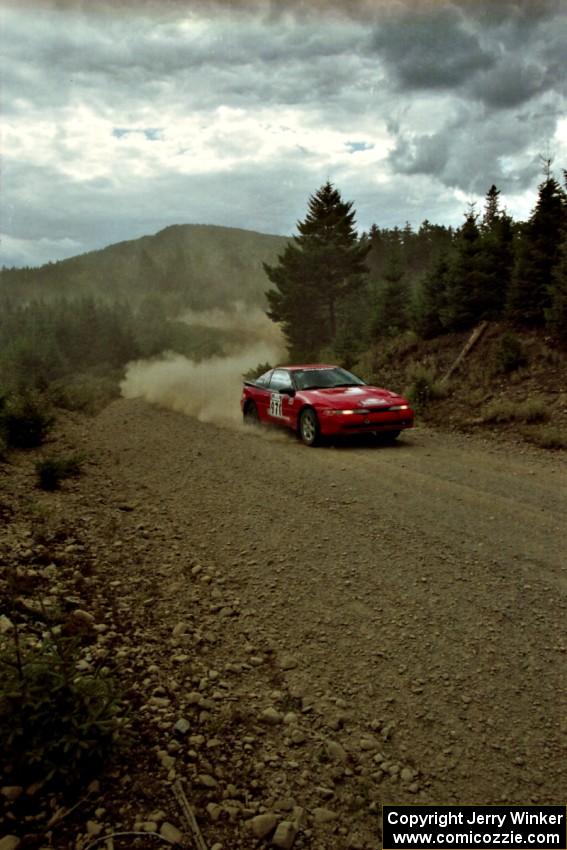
pixel 400 407
pixel 364 412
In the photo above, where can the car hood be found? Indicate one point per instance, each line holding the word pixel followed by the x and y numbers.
pixel 353 397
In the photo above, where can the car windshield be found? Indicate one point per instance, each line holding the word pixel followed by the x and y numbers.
pixel 316 379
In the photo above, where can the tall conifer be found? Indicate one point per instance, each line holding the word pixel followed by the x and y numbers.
pixel 319 267
pixel 532 282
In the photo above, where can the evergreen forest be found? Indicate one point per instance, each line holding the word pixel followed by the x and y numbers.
pixel 337 293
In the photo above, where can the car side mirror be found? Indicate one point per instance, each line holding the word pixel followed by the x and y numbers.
pixel 287 391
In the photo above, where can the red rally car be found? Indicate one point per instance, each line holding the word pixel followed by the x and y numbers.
pixel 319 400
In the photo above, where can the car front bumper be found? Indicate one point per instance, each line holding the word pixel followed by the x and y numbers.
pixel 335 424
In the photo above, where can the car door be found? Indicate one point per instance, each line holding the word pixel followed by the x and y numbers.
pixel 261 395
pixel 280 408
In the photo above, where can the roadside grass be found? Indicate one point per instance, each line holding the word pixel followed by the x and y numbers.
pixel 505 411
pixel 545 436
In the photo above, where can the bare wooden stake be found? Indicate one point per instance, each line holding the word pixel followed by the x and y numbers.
pixel 189 815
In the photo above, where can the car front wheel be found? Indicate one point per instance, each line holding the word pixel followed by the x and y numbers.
pixel 309 427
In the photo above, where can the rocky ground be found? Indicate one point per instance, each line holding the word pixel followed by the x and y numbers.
pixel 299 634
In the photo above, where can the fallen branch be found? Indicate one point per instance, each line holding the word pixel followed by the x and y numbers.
pixel 189 815
pixel 470 344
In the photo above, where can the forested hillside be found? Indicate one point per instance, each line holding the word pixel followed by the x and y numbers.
pixel 68 328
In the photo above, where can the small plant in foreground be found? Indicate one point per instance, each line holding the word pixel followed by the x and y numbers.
pixel 55 723
pixel 25 421
pixel 53 470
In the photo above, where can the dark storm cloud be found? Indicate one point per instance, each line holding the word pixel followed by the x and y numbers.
pixel 510 83
pixel 430 50
pixel 500 67
pixel 485 11
pixel 502 53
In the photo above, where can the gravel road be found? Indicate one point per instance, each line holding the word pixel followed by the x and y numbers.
pixel 424 583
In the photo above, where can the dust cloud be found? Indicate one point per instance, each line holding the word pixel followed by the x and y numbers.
pixel 209 389
pixel 247 323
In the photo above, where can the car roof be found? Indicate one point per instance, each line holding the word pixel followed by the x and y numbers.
pixel 308 366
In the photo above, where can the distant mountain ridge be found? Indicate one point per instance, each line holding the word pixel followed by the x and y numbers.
pixel 192 265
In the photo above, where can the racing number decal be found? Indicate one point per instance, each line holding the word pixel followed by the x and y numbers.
pixel 275 405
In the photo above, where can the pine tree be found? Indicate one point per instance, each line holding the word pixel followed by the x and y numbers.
pixel 392 298
pixel 491 209
pixel 431 242
pixel 497 234
pixel 430 301
pixel 532 281
pixel 319 267
pixel 556 315
pixel 467 282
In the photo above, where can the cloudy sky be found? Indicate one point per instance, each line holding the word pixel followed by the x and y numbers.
pixel 121 119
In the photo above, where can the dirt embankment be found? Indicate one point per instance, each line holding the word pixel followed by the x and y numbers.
pixel 338 626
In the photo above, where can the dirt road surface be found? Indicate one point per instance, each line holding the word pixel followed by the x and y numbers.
pixel 423 584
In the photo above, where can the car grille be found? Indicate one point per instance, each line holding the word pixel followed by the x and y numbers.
pixel 377 425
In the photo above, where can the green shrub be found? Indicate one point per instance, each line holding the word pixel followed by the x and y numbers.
pixel 501 412
pixel 25 420
pixel 424 388
pixel 55 722
pixel 509 354
pixel 53 470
